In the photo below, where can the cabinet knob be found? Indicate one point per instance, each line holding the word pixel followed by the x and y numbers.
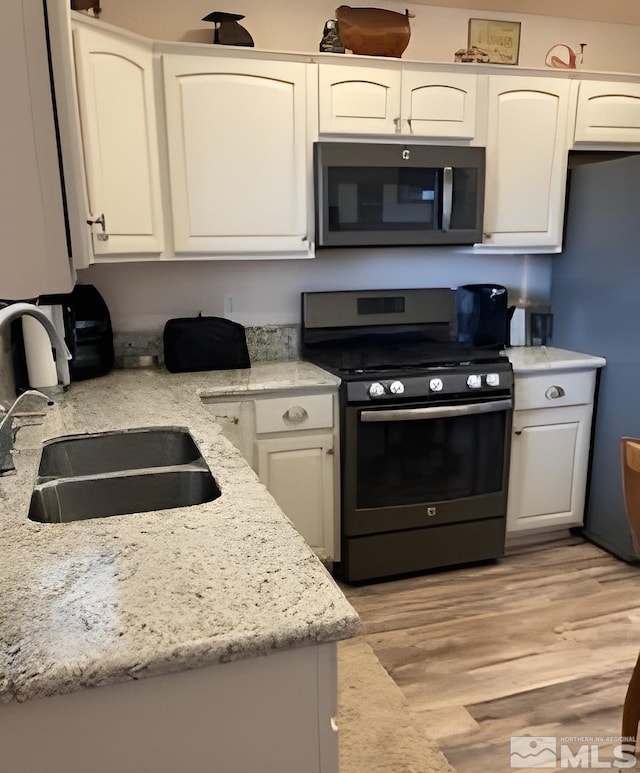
pixel 554 392
pixel 295 415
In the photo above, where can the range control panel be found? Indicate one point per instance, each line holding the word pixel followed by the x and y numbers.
pixel 438 383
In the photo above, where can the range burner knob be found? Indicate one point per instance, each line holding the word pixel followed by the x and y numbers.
pixel 396 387
pixel 435 385
pixel 376 389
pixel 474 381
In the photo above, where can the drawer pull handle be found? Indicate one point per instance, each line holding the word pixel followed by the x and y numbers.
pixel 554 392
pixel 295 415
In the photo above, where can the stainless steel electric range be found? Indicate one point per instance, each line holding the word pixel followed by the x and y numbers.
pixel 425 428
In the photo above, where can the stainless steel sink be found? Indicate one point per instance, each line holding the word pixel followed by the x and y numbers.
pixel 105 452
pixel 74 499
pixel 116 473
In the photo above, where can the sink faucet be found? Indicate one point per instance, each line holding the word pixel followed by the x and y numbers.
pixel 15 310
pixel 30 401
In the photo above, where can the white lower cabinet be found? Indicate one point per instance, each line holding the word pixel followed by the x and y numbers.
pixel 271 714
pixel 298 471
pixel 550 450
pixel 290 440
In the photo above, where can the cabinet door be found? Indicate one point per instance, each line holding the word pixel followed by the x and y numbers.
pixel 438 104
pixel 34 257
pixel 526 162
pixel 237 142
pixel 359 100
pixel 298 472
pixel 548 472
pixel 119 136
pixel 608 112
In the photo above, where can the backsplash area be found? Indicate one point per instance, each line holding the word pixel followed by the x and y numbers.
pixel 273 342
pixel 265 343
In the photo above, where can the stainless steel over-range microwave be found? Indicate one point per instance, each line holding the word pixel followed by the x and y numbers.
pixel 369 194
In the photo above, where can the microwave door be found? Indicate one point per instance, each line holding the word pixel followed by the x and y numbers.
pixel 373 195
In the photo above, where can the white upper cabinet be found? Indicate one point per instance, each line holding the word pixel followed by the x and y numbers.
pixel 408 101
pixel 526 163
pixel 608 112
pixel 34 253
pixel 239 156
pixel 119 136
pixel 358 100
pixel 438 104
pixel 222 167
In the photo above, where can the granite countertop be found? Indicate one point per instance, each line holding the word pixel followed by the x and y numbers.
pixel 111 599
pixel 533 359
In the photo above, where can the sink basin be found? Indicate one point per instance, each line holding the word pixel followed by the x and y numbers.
pixel 105 452
pixel 74 499
pixel 116 473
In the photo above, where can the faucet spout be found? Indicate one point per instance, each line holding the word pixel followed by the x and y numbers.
pixel 62 352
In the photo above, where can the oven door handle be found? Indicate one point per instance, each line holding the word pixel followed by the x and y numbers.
pixel 439 412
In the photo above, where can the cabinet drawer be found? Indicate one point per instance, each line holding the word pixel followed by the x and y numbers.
pixel 554 388
pixel 284 414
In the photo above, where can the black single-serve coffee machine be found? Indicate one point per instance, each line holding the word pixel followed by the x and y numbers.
pixel 482 315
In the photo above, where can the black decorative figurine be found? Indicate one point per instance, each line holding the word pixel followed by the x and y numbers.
pixel 227 31
pixel 331 38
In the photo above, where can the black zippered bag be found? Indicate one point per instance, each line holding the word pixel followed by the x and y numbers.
pixel 204 343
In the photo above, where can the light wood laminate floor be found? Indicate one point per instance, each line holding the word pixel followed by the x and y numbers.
pixel 541 642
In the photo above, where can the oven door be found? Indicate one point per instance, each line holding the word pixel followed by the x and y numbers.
pixel 414 465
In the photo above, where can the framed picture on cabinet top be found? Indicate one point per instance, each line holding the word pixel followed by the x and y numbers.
pixel 499 40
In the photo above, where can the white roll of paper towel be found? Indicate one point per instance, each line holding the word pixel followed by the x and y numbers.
pixel 41 366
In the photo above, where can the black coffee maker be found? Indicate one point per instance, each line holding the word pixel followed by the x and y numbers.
pixel 482 315
pixel 87 331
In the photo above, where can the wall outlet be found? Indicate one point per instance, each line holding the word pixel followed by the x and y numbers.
pixel 228 306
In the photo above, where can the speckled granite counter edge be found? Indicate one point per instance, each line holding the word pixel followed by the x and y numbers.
pixel 533 359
